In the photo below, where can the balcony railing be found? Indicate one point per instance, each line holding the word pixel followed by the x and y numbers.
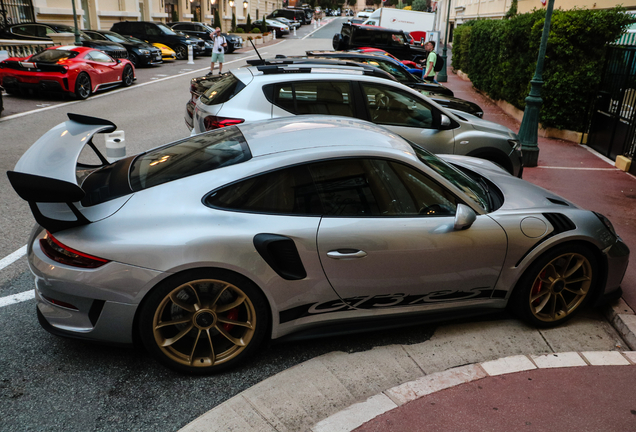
pixel 23 48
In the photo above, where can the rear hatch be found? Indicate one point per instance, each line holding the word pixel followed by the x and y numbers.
pixel 51 179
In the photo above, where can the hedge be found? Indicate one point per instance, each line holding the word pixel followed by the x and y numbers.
pixel 500 57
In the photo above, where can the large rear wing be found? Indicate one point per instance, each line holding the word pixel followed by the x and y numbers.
pixel 46 175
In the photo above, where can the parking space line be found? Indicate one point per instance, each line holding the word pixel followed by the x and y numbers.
pixel 11 258
pixel 579 168
pixel 17 298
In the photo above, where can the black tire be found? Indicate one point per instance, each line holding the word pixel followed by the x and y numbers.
pixel 337 42
pixel 203 340
pixel 556 286
pixel 128 76
pixel 83 88
pixel 182 52
pixel 133 59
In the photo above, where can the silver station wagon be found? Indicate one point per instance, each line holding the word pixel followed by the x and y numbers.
pixel 282 88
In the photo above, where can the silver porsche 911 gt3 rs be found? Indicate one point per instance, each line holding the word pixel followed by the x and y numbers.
pixel 293 227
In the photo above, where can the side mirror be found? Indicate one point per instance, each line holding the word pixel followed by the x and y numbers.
pixel 118 61
pixel 464 217
pixel 445 122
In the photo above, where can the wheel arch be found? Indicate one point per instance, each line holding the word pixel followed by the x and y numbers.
pixel 601 260
pixel 181 273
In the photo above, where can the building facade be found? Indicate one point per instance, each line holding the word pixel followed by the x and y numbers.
pixel 101 14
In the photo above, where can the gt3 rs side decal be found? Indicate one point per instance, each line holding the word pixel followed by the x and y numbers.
pixel 382 301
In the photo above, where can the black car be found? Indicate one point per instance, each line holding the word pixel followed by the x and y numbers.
pixel 139 53
pixel 39 31
pixel 393 41
pixel 309 14
pixel 156 32
pixel 274 26
pixel 387 64
pixel 291 14
pixel 203 31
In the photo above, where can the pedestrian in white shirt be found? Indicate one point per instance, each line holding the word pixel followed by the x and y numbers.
pixel 218 52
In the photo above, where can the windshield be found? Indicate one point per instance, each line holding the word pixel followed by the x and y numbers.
pixel 115 37
pixel 398 72
pixel 194 155
pixel 453 175
pixel 166 30
pixel 53 56
pixel 134 39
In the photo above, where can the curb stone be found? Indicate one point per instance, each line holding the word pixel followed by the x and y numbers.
pixel 358 414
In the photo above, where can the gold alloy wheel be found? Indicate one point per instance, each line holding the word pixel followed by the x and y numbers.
pixel 204 323
pixel 560 287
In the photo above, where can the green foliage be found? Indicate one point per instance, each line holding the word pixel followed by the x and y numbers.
pixel 513 9
pixel 239 30
pixel 175 16
pixel 500 58
pixel 263 28
pixel 420 5
pixel 255 30
pixel 217 19
pixel 248 23
pixel 233 22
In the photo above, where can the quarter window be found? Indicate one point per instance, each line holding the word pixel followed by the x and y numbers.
pixel 388 106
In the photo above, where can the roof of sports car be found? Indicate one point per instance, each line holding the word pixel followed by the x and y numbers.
pixel 304 132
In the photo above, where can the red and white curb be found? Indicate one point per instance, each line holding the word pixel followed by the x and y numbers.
pixel 356 415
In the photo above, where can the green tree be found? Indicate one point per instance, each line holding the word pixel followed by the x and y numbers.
pixel 263 25
pixel 217 19
pixel 513 9
pixel 233 22
pixel 248 23
pixel 500 57
pixel 420 5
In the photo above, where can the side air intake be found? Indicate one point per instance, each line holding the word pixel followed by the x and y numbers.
pixel 561 223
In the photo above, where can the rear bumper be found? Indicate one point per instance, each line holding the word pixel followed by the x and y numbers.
pixel 90 304
pixel 48 83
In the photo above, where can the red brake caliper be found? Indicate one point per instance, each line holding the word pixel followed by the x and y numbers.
pixel 233 315
pixel 536 288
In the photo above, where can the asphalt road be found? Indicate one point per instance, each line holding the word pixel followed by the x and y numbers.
pixel 54 384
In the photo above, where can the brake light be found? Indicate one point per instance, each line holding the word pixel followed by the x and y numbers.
pixel 63 254
pixel 214 122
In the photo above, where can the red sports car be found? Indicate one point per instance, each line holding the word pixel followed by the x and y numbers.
pixel 74 69
pixel 407 63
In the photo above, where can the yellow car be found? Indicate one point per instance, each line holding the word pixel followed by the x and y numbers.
pixel 167 54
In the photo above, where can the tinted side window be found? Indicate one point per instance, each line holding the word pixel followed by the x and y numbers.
pixel 389 106
pixel 289 191
pixel 320 97
pixel 377 187
pixel 100 57
pixel 152 30
pixel 363 37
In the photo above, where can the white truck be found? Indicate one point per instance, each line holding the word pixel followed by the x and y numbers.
pixel 400 19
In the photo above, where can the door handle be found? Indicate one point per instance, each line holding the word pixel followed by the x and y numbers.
pixel 349 254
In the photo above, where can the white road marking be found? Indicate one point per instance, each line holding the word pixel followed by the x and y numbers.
pixel 17 298
pixel 580 168
pixel 14 116
pixel 10 259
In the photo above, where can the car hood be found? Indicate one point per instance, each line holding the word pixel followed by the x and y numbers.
pixel 483 125
pixel 518 194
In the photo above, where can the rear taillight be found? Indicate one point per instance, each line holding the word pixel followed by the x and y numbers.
pixel 63 254
pixel 214 122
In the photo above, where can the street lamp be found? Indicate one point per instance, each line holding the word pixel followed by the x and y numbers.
pixel 530 124
pixel 77 37
pixel 245 4
pixel 442 76
pixel 231 3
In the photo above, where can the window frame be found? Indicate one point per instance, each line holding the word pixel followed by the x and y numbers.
pixel 270 91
